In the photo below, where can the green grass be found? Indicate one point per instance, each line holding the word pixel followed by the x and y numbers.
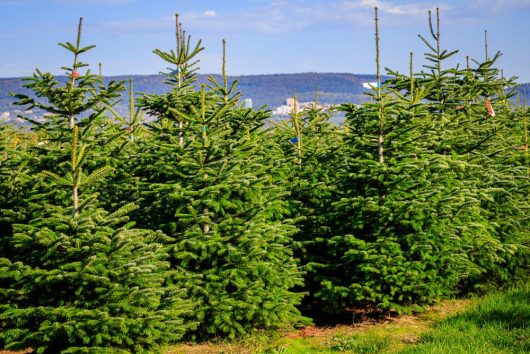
pixel 496 323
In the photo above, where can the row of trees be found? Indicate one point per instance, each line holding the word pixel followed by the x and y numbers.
pixel 119 234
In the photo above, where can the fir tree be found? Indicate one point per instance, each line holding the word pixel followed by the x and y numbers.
pixel 412 222
pixel 310 153
pixel 474 125
pixel 13 184
pixel 87 285
pixel 124 135
pixel 80 279
pixel 205 183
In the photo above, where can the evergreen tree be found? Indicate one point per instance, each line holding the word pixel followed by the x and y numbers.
pixel 310 153
pixel 77 99
pixel 412 218
pixel 13 185
pixel 119 151
pixel 205 183
pixel 475 126
pixel 87 285
pixel 80 279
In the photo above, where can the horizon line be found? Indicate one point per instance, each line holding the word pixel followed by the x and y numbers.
pixel 208 74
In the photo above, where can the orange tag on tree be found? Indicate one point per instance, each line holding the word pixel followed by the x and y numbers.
pixel 491 112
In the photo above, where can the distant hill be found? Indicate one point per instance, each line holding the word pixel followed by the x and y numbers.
pixel 264 90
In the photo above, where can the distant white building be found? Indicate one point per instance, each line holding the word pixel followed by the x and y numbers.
pixel 371 85
pixel 292 104
pixel 282 110
pixel 286 108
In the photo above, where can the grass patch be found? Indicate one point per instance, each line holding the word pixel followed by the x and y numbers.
pixel 496 323
pixel 385 336
pixel 360 344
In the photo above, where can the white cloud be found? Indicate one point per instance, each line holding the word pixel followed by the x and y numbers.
pixel 286 16
pixel 502 3
pixel 159 24
pixel 410 9
pixel 494 6
pixel 210 13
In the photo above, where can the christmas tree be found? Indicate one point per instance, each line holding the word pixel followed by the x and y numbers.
pixel 413 222
pixel 311 151
pixel 80 279
pixel 205 183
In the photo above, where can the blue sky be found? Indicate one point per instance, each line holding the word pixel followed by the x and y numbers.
pixel 264 36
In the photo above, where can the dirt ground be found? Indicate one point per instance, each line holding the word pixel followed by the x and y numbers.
pixel 405 328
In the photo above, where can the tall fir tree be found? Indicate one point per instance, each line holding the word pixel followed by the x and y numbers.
pixel 79 279
pixel 205 183
pixel 310 152
pixel 411 220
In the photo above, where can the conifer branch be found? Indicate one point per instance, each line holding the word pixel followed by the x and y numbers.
pixel 179 35
pixel 411 77
pixel 225 78
pixel 380 136
pixel 205 226
pixel 439 59
pixel 525 126
pixel 486 45
pixel 203 113
pixel 316 98
pixel 179 39
pixel 131 103
pixel 295 120
pixel 378 67
pixel 75 171
pixel 74 73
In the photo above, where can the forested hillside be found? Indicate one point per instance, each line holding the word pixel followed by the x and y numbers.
pixel 270 90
